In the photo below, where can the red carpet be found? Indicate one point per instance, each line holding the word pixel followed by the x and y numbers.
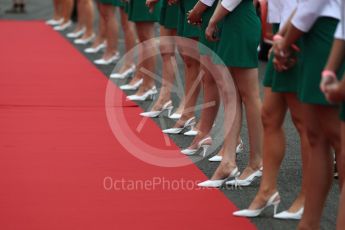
pixel 56 148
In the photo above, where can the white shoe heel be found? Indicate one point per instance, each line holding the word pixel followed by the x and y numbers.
pixel 125 74
pixel 135 86
pixel 189 123
pixel 272 201
pixel 166 107
pixel 247 181
pixel 204 144
pixel 219 183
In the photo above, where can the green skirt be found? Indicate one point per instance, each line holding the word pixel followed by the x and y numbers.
pixel 211 46
pixel 168 17
pixel 118 3
pixel 315 49
pixel 183 28
pixel 240 37
pixel 139 12
pixel 126 6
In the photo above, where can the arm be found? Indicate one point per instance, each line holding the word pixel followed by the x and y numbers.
pixel 217 16
pixel 194 15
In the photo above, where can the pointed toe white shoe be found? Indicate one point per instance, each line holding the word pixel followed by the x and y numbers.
pixel 192 132
pixel 217 158
pixel 204 144
pixel 53 22
pixel 76 34
pixel 85 41
pixel 219 183
pixel 63 27
pixel 128 72
pixel 274 201
pixel 135 86
pixel 189 123
pixel 149 94
pixel 175 116
pixel 247 181
pixel 98 48
pixel 166 107
pixel 109 61
pixel 290 215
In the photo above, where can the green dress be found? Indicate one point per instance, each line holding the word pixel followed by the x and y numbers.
pixel 208 46
pixel 183 28
pixel 118 3
pixel 139 12
pixel 270 71
pixel 240 37
pixel 169 14
pixel 315 49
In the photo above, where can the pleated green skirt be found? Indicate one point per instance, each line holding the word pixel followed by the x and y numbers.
pixel 169 14
pixel 270 71
pixel 315 49
pixel 139 12
pixel 183 28
pixel 240 37
pixel 118 3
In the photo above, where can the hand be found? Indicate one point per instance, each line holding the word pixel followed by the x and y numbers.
pixel 333 92
pixel 194 17
pixel 172 2
pixel 151 4
pixel 211 32
pixel 284 59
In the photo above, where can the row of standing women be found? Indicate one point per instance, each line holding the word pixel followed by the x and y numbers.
pixel 301 59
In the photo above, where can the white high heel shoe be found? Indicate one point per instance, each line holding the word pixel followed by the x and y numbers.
pixel 218 183
pixel 135 86
pixel 125 74
pixel 272 201
pixel 92 50
pixel 85 40
pixel 204 144
pixel 247 181
pixel 109 61
pixel 192 132
pixel 217 158
pixel 149 94
pixel 166 107
pixel 63 27
pixel 53 22
pixel 189 123
pixel 175 116
pixel 76 34
pixel 290 215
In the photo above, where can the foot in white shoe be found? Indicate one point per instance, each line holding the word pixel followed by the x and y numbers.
pixel 96 49
pixel 135 86
pixel 84 41
pixel 219 183
pixel 108 61
pixel 76 34
pixel 124 74
pixel 247 181
pixel 290 215
pixel 53 22
pixel 64 26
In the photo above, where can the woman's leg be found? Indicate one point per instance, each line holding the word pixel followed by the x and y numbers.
pixel 211 99
pixel 108 13
pixel 167 50
pixel 129 37
pixel 101 36
pixel 145 31
pixel 193 78
pixel 297 117
pixel 273 114
pixel 67 9
pixel 321 124
pixel 341 166
pixel 247 82
pixel 57 10
pixel 85 8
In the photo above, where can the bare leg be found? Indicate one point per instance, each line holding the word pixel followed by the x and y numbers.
pixel 167 50
pixel 211 100
pixel 321 124
pixel 145 31
pixel 193 78
pixel 101 29
pixel 273 114
pixel 108 13
pixel 67 10
pixel 57 10
pixel 129 37
pixel 341 166
pixel 86 9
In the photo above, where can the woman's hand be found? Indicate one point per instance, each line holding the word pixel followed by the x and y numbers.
pixel 333 92
pixel 194 17
pixel 151 4
pixel 211 32
pixel 283 58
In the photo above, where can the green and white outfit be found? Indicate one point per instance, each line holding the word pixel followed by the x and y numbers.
pixel 319 27
pixel 168 17
pixel 183 28
pixel 139 12
pixel 240 35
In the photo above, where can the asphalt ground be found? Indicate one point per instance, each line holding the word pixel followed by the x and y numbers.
pixel 290 173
